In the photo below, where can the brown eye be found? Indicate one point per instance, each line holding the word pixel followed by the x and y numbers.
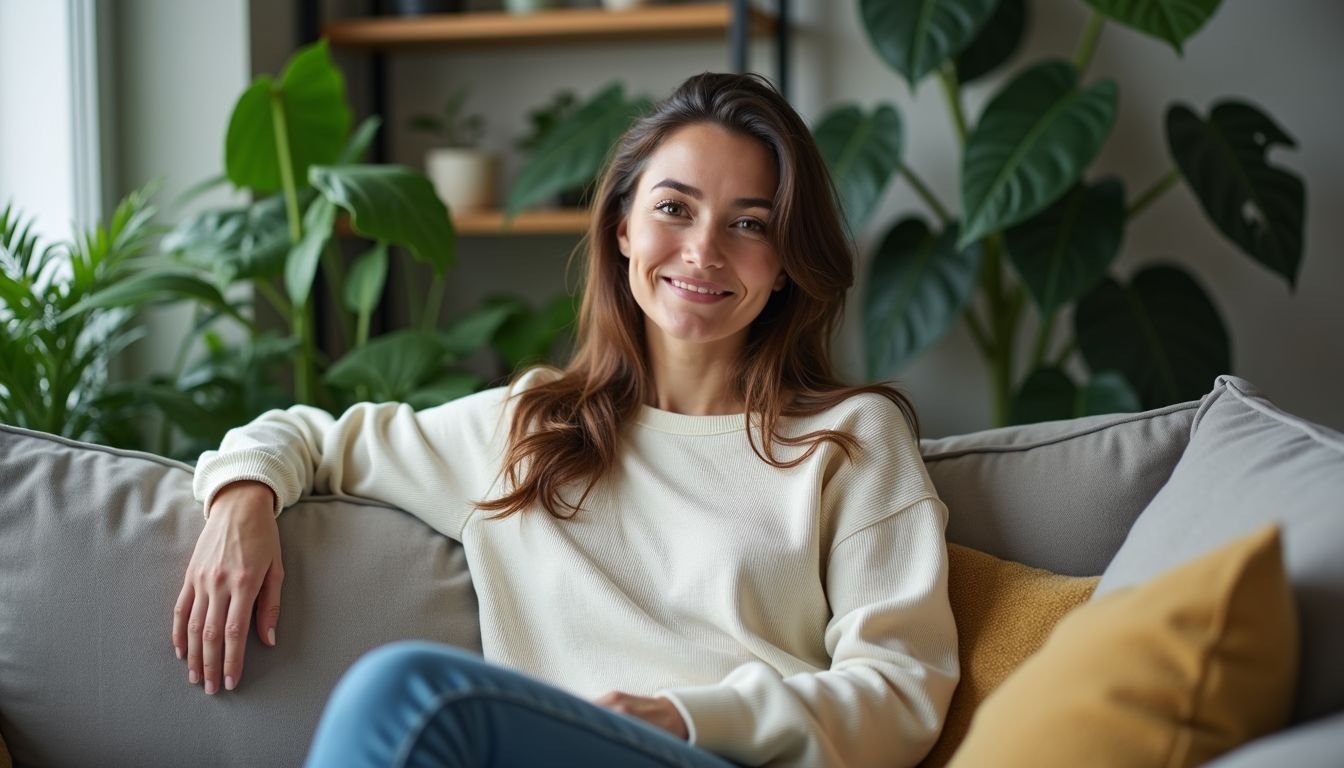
pixel 751 225
pixel 670 207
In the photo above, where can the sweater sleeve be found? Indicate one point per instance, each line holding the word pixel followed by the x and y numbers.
pixel 891 638
pixel 431 463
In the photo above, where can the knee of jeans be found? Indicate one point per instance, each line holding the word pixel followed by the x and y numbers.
pixel 398 664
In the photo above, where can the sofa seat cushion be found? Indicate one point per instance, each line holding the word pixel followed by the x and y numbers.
pixel 1004 612
pixel 94 543
pixel 1173 673
pixel 1249 464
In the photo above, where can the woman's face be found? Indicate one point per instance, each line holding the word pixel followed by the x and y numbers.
pixel 701 266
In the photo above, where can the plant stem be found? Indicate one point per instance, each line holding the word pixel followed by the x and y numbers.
pixel 1003 325
pixel 1088 44
pixel 362 329
pixel 947 76
pixel 982 339
pixel 301 314
pixel 1066 352
pixel 432 303
pixel 1150 196
pixel 926 194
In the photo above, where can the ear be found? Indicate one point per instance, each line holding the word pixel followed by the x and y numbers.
pixel 623 235
pixel 780 281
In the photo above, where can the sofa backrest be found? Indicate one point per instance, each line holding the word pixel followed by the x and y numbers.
pixel 1058 495
pixel 94 543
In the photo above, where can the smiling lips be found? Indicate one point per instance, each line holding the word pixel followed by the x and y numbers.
pixel 695 290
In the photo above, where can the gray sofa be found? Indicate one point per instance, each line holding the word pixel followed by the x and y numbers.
pixel 94 542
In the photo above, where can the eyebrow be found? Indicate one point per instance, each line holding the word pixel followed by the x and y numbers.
pixel 687 189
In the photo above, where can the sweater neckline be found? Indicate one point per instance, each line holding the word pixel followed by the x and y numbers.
pixel 685 424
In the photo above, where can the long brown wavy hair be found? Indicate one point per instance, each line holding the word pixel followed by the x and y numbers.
pixel 565 433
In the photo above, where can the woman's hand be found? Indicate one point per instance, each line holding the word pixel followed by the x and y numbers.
pixel 237 560
pixel 655 711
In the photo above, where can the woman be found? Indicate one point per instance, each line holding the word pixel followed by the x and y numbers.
pixel 691 546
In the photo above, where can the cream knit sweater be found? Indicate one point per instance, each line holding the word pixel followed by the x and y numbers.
pixel 794 617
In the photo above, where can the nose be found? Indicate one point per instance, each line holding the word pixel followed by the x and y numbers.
pixel 702 248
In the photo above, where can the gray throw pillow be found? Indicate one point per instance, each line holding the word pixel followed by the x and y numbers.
pixel 1059 495
pixel 1249 463
pixel 94 543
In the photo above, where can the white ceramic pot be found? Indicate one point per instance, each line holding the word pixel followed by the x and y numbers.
pixel 463 178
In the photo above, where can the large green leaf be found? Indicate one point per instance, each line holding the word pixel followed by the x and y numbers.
pixel 918 284
pixel 311 97
pixel 1031 145
pixel 364 284
pixel 915 37
pixel 1257 205
pixel 575 148
pixel 1161 332
pixel 395 204
pixel 391 366
pixel 1062 252
pixel 360 141
pixel 301 266
pixel 1049 394
pixel 1171 20
pixel 998 40
pixel 862 151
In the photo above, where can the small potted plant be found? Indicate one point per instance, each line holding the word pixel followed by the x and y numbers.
pixel 544 119
pixel 462 173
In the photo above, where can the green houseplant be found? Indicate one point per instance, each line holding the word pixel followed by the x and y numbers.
pixel 463 174
pixel 290 147
pixel 56 341
pixel 1035 231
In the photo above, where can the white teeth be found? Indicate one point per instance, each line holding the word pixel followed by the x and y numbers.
pixel 689 287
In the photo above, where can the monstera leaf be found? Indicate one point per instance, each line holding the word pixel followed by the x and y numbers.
pixel 1065 250
pixel 310 97
pixel 1171 20
pixel 393 204
pixel 915 37
pixel 1161 332
pixel 1256 205
pixel 301 266
pixel 998 40
pixel 918 284
pixel 1049 394
pixel 575 149
pixel 1031 145
pixel 862 151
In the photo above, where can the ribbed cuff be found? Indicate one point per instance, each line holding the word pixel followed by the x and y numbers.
pixel 223 469
pixel 717 718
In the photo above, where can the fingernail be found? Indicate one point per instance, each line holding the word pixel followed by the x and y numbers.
pixel 270 635
pixel 210 687
pixel 178 651
pixel 228 683
pixel 192 678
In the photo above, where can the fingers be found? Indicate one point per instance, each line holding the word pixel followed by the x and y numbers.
pixel 195 622
pixel 212 642
pixel 235 640
pixel 268 604
pixel 182 612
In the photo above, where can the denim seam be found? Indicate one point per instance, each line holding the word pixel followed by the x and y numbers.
pixel 443 701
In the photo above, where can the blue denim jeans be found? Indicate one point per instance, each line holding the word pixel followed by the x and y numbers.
pixel 423 704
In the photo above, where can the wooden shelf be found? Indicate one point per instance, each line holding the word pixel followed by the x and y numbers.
pixel 560 221
pixel 561 25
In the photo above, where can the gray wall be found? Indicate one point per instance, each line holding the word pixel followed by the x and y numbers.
pixel 1282 56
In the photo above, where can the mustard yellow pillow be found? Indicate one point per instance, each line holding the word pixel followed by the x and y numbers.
pixel 1004 612
pixel 1170 673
